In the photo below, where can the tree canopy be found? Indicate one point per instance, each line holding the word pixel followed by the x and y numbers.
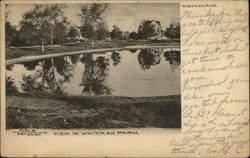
pixel 173 31
pixel 42 20
pixel 148 29
pixel 72 33
pixel 90 14
pixel 116 33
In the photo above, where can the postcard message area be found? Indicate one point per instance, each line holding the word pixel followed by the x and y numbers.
pixel 214 80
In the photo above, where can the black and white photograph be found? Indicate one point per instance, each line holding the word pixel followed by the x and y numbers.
pixel 92 66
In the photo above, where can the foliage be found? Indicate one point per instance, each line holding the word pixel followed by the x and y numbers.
pixel 173 57
pixel 46 80
pixel 148 29
pixel 94 76
pixel 9 33
pixel 74 59
pixel 148 58
pixel 39 24
pixel 64 68
pixel 101 31
pixel 10 86
pixel 90 14
pixel 60 31
pixel 133 36
pixel 173 31
pixel 87 31
pixel 32 34
pixel 72 34
pixel 116 58
pixel 116 33
pixel 31 65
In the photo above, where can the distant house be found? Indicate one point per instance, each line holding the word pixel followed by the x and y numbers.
pixel 108 39
pixel 79 37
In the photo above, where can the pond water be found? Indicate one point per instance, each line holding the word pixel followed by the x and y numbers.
pixel 133 73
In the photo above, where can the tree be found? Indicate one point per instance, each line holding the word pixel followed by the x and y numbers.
pixel 133 35
pixel 90 14
pixel 12 35
pixel 9 30
pixel 72 34
pixel 148 29
pixel 9 33
pixel 173 31
pixel 61 31
pixel 101 31
pixel 54 14
pixel 32 33
pixel 42 19
pixel 116 33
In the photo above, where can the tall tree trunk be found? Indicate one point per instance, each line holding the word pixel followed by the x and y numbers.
pixel 51 38
pixel 92 43
pixel 42 46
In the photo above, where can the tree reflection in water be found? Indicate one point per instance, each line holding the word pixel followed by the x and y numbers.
pixel 64 68
pixel 133 50
pixel 10 86
pixel 49 75
pixel 31 65
pixel 46 80
pixel 94 75
pixel 9 67
pixel 74 59
pixel 116 58
pixel 173 57
pixel 148 58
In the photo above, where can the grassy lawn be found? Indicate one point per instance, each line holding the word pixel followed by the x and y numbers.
pixel 19 52
pixel 78 112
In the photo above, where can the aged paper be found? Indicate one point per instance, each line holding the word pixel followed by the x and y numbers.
pixel 211 79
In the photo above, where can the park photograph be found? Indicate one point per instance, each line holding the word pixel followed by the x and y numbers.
pixel 92 66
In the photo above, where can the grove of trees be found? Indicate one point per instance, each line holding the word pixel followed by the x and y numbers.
pixel 46 24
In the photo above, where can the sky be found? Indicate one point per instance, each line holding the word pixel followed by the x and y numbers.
pixel 127 16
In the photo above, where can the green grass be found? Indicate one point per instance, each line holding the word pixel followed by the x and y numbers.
pixel 75 112
pixel 20 52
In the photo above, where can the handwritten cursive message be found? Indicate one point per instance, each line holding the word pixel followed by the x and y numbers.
pixel 215 81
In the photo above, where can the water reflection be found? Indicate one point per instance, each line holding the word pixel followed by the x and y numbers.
pixel 133 50
pixel 31 65
pixel 116 57
pixel 10 86
pixel 64 68
pixel 173 57
pixel 49 76
pixel 148 58
pixel 9 67
pixel 116 73
pixel 74 59
pixel 94 75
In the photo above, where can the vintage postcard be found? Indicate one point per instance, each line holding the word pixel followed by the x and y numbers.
pixel 124 78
